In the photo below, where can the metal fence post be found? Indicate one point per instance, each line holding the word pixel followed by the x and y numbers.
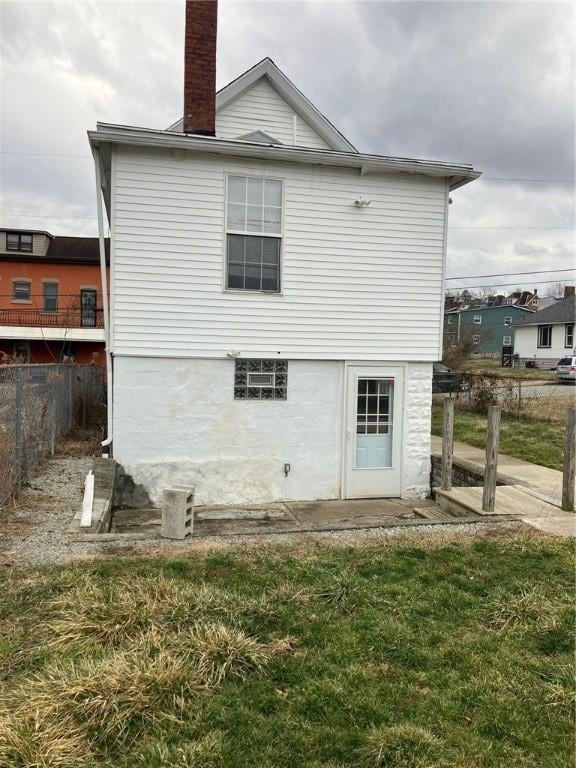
pixel 18 425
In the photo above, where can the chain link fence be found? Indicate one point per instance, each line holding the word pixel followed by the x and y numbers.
pixel 38 405
pixel 522 398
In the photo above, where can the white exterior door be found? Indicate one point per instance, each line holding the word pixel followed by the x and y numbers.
pixel 373 445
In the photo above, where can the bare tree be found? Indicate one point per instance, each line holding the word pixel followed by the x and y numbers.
pixel 556 290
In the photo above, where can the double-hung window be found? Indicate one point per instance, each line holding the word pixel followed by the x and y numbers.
pixel 477 319
pixel 569 335
pixel 545 336
pixel 50 297
pixel 253 234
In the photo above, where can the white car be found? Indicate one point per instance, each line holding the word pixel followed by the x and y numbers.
pixel 566 369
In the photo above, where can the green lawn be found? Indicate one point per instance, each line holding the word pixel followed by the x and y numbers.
pixel 540 442
pixel 398 656
pixel 494 368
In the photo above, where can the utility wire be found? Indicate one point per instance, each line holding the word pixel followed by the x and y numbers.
pixel 511 274
pixel 497 285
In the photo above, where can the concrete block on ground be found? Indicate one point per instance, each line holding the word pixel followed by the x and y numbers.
pixel 177 512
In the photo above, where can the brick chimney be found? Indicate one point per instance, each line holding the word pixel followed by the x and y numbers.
pixel 200 67
pixel 569 291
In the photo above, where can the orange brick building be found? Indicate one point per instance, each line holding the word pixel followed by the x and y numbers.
pixel 50 298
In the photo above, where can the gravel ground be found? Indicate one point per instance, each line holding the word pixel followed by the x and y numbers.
pixel 34 532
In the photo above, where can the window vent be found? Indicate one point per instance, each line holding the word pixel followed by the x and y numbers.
pixel 260 379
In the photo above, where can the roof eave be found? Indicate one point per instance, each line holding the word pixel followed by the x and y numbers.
pixel 457 175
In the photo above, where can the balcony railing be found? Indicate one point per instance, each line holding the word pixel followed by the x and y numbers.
pixel 69 312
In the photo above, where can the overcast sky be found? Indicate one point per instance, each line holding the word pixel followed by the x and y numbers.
pixel 487 83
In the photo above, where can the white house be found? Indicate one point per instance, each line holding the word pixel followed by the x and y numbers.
pixel 276 295
pixel 547 335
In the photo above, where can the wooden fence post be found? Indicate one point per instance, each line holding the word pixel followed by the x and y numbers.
pixel 447 443
pixel 491 469
pixel 569 475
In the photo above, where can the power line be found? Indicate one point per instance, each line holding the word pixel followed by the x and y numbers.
pixel 511 274
pixel 515 229
pixel 46 216
pixel 499 285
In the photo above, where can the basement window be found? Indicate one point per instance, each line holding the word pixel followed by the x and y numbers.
pixel 260 379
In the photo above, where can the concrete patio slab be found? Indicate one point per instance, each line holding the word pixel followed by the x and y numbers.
pixel 281 517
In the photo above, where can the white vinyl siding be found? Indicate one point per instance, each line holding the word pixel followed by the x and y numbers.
pixel 358 284
pixel 261 108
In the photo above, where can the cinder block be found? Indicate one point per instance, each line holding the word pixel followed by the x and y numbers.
pixel 177 512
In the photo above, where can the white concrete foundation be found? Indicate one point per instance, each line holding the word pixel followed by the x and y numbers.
pixel 176 423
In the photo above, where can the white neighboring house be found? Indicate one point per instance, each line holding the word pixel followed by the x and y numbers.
pixel 547 335
pixel 276 301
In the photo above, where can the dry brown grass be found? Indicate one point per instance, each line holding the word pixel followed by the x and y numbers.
pixel 125 609
pixel 400 746
pixel 111 696
pixel 33 739
pixel 221 652
pixel 523 609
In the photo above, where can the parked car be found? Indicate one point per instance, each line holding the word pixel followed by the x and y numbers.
pixel 566 369
pixel 445 379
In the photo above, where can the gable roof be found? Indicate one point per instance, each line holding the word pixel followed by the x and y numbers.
pixel 564 311
pixel 267 70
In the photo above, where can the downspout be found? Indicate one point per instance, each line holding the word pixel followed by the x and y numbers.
pixel 103 276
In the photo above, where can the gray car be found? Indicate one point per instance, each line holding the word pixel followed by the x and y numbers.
pixel 566 369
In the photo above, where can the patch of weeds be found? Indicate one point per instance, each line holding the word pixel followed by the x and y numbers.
pixel 221 652
pixel 111 697
pixel 34 739
pixel 206 752
pixel 342 594
pixel 400 746
pixel 528 608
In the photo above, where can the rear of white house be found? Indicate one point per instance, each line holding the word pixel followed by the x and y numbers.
pixel 276 303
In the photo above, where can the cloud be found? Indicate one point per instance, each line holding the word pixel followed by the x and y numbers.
pixel 481 82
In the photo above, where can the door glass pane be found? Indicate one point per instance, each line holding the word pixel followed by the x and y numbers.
pixel 374 409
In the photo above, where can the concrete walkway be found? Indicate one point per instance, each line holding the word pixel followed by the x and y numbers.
pixel 541 482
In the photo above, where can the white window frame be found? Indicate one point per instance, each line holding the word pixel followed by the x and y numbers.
pixel 275 236
pixel 507 320
pixel 569 333
pixel 507 341
pixel 477 319
pixel 475 339
pixel 540 330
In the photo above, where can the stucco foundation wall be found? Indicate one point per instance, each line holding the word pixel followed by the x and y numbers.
pixel 417 440
pixel 175 421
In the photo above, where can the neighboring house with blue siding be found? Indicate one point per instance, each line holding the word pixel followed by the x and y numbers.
pixel 489 329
